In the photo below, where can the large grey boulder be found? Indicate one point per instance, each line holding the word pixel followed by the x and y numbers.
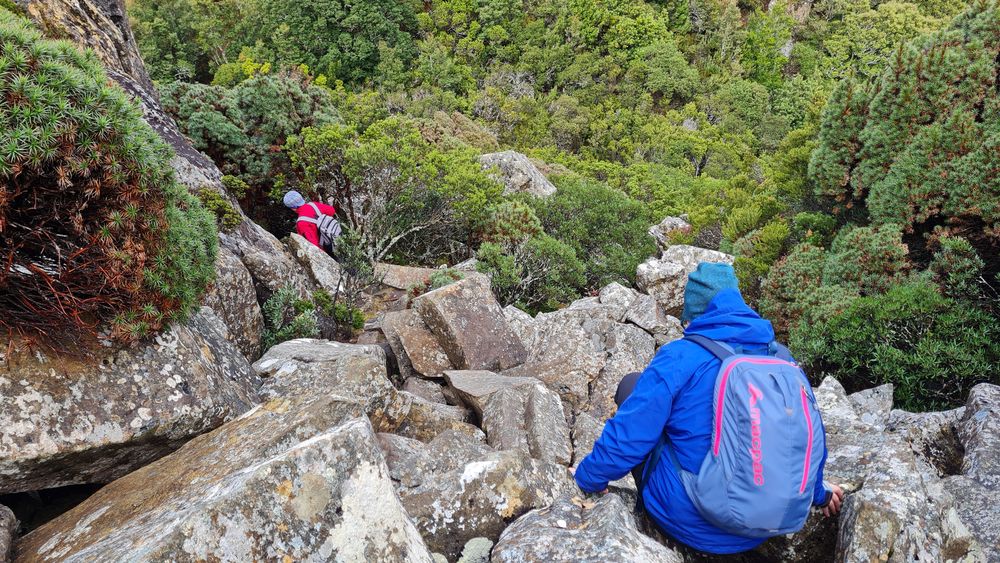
pixel 294 480
pixel 648 315
pixel 269 262
pixel 979 431
pixel 897 508
pixel 518 174
pixel 307 366
pixel 325 271
pixel 575 529
pixel 424 420
pixel 474 387
pixel 234 300
pixel 415 346
pixel 665 230
pixel 522 324
pixel 428 390
pixel 874 405
pixel 666 277
pixel 480 498
pixel 76 420
pixel 8 531
pixel 568 352
pixel 413 463
pixel 470 326
pixel 977 490
pixel 630 349
pixel 619 298
pixel 529 418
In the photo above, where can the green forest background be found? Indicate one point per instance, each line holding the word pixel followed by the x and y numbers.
pixel 845 151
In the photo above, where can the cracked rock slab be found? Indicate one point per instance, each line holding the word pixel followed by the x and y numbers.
pixel 293 479
pixel 70 421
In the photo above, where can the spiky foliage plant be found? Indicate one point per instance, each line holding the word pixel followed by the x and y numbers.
pixel 93 226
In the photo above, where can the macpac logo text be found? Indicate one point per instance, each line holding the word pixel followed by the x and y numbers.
pixel 756 454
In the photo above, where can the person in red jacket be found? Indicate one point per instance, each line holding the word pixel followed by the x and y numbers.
pixel 317 221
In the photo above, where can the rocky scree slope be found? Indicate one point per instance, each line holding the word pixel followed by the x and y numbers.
pixel 468 457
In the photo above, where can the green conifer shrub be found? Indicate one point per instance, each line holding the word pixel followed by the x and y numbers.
pixel 932 348
pixel 93 226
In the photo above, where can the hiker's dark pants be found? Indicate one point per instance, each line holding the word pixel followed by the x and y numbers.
pixel 625 389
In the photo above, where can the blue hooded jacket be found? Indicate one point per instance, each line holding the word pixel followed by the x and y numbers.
pixel 675 392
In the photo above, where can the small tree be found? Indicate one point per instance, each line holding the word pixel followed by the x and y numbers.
pixel 401 196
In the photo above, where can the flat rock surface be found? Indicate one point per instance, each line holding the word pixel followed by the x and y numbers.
pixel 293 479
pixel 308 366
pixel 580 530
pixel 474 387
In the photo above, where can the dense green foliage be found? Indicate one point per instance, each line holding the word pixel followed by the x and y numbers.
pixel 93 226
pixel 841 149
pixel 908 161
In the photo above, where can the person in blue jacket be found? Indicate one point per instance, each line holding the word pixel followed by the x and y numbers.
pixel 675 393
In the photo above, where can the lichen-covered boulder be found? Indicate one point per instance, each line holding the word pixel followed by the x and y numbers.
pixel 412 462
pixel 518 174
pixel 902 513
pixel 480 498
pixel 873 405
pixel 234 300
pixel 977 489
pixel 630 349
pixel 979 431
pixel 666 277
pixel 325 271
pixel 619 298
pixel 424 420
pixel 8 531
pixel 470 326
pixel 269 262
pixel 415 346
pixel 69 420
pixel 308 366
pixel 648 315
pixel 668 228
pixel 529 418
pixel 474 387
pixel 568 352
pixel 293 480
pixel 580 530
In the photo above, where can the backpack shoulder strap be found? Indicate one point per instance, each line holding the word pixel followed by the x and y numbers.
pixel 315 208
pixel 718 349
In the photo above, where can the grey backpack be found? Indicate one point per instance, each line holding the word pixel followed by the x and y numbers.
pixel 328 226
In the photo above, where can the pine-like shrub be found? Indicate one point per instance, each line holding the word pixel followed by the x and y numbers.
pixel 918 146
pixel 788 282
pixel 932 348
pixel 869 259
pixel 93 226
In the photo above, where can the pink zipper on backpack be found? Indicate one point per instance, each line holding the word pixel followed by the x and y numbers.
pixel 722 393
pixel 809 442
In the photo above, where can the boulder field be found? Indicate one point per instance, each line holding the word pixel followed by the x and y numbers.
pixel 319 451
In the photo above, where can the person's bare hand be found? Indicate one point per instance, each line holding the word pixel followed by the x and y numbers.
pixel 836 501
pixel 604 492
